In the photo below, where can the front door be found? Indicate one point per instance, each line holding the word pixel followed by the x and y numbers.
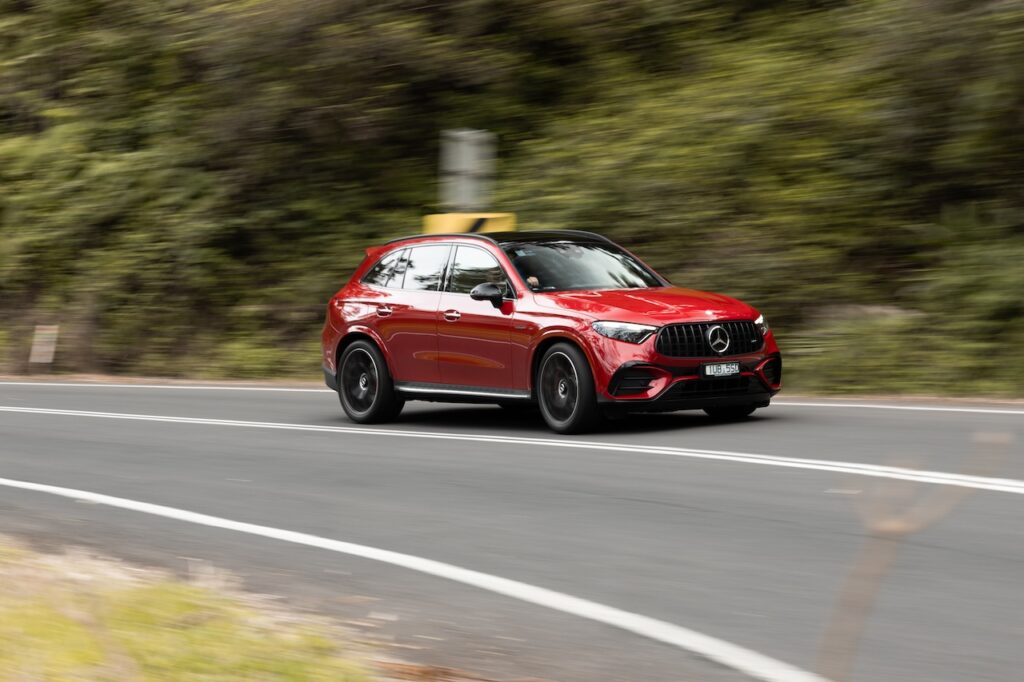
pixel 473 337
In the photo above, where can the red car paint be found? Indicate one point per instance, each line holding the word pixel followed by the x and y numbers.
pixel 462 347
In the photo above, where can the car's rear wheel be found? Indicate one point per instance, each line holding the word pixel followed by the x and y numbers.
pixel 565 390
pixel 730 413
pixel 365 387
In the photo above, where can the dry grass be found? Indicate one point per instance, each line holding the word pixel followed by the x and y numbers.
pixel 77 617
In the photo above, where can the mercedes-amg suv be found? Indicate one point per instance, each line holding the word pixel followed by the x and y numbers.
pixel 564 320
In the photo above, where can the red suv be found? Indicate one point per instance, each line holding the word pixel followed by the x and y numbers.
pixel 565 320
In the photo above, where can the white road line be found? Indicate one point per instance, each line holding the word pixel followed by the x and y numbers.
pixel 753 664
pixel 1004 485
pixel 909 408
pixel 242 387
pixel 174 387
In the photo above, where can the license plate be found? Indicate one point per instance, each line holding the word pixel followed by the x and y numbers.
pixel 722 369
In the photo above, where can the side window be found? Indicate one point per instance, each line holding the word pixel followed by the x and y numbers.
pixel 474 266
pixel 425 267
pixel 381 273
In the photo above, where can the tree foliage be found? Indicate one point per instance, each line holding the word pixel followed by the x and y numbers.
pixel 184 182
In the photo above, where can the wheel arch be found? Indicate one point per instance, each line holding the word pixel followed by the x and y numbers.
pixel 542 347
pixel 360 335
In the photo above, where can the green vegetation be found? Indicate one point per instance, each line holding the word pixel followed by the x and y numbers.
pixel 183 184
pixel 79 618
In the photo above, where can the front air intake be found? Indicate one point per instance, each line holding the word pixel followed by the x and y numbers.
pixel 772 371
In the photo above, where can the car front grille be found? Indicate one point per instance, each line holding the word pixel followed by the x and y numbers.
pixel 691 340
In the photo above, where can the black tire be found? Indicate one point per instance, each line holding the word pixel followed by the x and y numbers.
pixel 565 390
pixel 365 388
pixel 730 413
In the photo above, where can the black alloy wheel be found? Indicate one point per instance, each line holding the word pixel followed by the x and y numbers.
pixel 364 385
pixel 565 390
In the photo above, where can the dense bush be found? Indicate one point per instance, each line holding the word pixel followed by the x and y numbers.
pixel 182 184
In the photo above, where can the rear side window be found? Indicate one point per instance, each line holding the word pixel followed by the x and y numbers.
pixel 387 271
pixel 474 266
pixel 425 267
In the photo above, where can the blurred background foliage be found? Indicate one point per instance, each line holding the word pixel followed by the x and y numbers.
pixel 183 183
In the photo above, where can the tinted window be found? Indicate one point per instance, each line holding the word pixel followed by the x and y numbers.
pixel 382 273
pixel 560 266
pixel 474 266
pixel 425 267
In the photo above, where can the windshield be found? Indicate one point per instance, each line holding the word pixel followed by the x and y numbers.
pixel 565 265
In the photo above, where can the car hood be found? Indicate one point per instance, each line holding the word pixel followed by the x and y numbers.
pixel 662 305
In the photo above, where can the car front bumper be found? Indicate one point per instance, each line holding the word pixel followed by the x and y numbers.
pixel 637 377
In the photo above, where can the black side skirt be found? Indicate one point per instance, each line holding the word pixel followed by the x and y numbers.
pixel 448 393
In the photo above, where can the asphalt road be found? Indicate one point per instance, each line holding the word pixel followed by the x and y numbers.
pixel 643 519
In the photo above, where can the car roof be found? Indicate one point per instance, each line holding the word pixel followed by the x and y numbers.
pixel 527 236
pixel 546 236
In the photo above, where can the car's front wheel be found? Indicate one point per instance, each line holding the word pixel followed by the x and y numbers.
pixel 565 390
pixel 364 385
pixel 730 413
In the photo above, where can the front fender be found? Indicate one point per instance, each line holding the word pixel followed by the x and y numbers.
pixel 551 336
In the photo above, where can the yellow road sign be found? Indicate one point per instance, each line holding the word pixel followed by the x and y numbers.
pixel 469 222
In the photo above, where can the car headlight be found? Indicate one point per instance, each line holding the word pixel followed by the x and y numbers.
pixel 762 325
pixel 624 331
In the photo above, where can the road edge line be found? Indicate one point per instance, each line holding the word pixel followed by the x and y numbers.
pixel 751 663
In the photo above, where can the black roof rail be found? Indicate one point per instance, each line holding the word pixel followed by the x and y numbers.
pixel 509 236
pixel 477 235
pixel 581 233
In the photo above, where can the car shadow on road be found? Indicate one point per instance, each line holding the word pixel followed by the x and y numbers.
pixel 529 422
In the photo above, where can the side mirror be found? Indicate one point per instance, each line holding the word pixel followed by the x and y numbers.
pixel 488 291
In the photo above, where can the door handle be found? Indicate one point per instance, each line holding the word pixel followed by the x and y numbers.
pixel 452 315
pixel 383 311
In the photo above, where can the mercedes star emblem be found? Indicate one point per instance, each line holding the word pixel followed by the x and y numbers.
pixel 718 339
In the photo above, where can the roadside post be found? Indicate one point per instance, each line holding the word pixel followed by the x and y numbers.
pixel 44 344
pixel 467 178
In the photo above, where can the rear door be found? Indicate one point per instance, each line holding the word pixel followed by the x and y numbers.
pixel 473 336
pixel 408 325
